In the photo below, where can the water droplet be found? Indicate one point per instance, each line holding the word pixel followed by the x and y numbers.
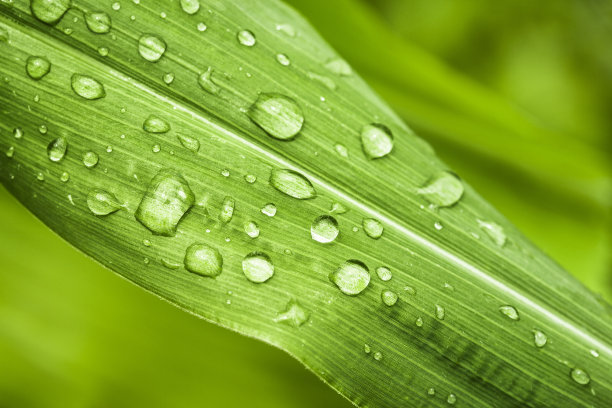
pixel 325 81
pixel 98 22
pixel 155 124
pixel 169 264
pixel 494 231
pixel 190 6
pixel 539 338
pixel 438 226
pixel 249 178
pixel 37 67
pixel 201 27
pixel 101 202
pixel 510 312
pixel 292 183
pixel 252 229
pixel 227 210
pixel 257 267
pixel 116 6
pixel 373 228
pixel 580 376
pixel 225 173
pixel 43 129
pixel 246 38
pixel 65 177
pixel 449 287
pixel 168 78
pixel 324 229
pixel 50 11
pixel 103 51
pixel 206 82
pixel 10 152
pixel 294 315
pixel 341 150
pixel 376 140
pixel 451 399
pixel 156 148
pixel 151 47
pixel 56 150
pixel 166 201
pixel 384 273
pixel 87 87
pixel 352 277
pixel 40 176
pixel 190 143
pixel 419 322
pixel 440 312
pixel 278 115
pixel 90 159
pixel 378 356
pixel 283 59
pixel 269 210
pixel 443 190
pixel 286 29
pixel 203 260
pixel 18 133
pixel 431 391
pixel 146 242
pixel 338 208
pixel 366 348
pixel 339 67
pixel 389 298
pixel 410 290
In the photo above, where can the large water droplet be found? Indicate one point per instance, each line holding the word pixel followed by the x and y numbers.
pixel 510 312
pixel 539 338
pixel 155 124
pixel 389 298
pixel 294 315
pixel 376 140
pixel 372 227
pixel 252 229
pixel 440 312
pixel 257 267
pixel 580 376
pixel 443 190
pixel 50 11
pixel 203 260
pixel 166 201
pixel 384 273
pixel 98 22
pixel 339 67
pixel 352 277
pixel 292 183
pixel 189 143
pixel 101 202
pixel 90 159
pixel 227 209
pixel 278 115
pixel 246 38
pixel 37 67
pixel 151 47
pixel 206 82
pixel 494 231
pixel 87 87
pixel 190 6
pixel 56 150
pixel 269 210
pixel 324 229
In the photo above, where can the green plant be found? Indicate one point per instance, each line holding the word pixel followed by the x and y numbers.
pixel 229 161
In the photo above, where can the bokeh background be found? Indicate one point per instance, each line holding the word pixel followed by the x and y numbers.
pixel 515 95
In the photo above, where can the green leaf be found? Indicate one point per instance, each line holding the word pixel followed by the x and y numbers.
pixel 463 317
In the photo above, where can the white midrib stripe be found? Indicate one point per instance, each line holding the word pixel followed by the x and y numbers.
pixel 471 269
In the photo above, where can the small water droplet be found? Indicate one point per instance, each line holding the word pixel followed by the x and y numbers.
pixel 339 66
pixel 384 273
pixel 419 322
pixel 203 260
pixel 341 150
pixel 90 159
pixel 65 177
pixel 366 348
pixel 246 38
pixel 294 315
pixel 352 277
pixel 372 227
pixel 151 47
pixel 451 399
pixel 249 178
pixel 165 203
pixel 431 391
pixel 324 229
pixel 102 202
pixel 156 124
pixel 56 150
pixel 10 152
pixel 169 264
pixel 278 115
pixel 87 87
pixel 494 231
pixel 50 11
pixel 438 225
pixel 146 242
pixel 98 22
pixel 227 210
pixel 510 312
pixel 443 190
pixel 43 129
pixel 440 312
pixel 257 267
pixel 338 208
pixel 325 81
pixel 156 148
pixel 168 78
pixel 389 298
pixel 376 140
pixel 286 29
pixel 37 67
pixel 190 6
pixel 269 210
pixel 116 6
pixel 206 82
pixel 580 376
pixel 201 27
pixel 292 184
pixel 410 290
pixel 190 143
pixel 40 176
pixel 283 59
pixel 539 338
pixel 225 173
pixel 378 356
pixel 18 133
pixel 594 353
pixel 252 229
pixel 103 51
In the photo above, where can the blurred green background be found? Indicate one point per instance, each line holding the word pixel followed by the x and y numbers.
pixel 515 95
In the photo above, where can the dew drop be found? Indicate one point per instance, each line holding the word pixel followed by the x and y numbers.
pixel 250 178
pixel 168 78
pixel 438 226
pixel 580 376
pixel 510 312
pixel 40 176
pixel 443 190
pixel 156 124
pixel 10 152
pixel 98 22
pixel 151 47
pixel 18 133
pixel 190 6
pixel 376 140
pixel 246 38
pixel 451 399
pixel 269 210
pixel 90 159
pixel 43 129
pixel 206 82
pixel 278 115
pixel 384 273
pixel 227 209
pixel 37 67
pixel 201 27
pixel 292 184
pixel 103 51
pixel 286 29
pixel 169 264
pixel 116 6
pixel 431 392
pixel 252 229
pixel 440 312
pixel 101 202
pixel 56 150
pixel 257 267
pixel 87 87
pixel 539 338
pixel 594 353
pixel 225 173
pixel 388 297
pixel 165 203
pixel 325 81
pixel 367 349
pixel 338 208
pixel 283 59
pixel 378 356
pixel 341 150
pixel 293 315
pixel 372 227
pixel 352 277
pixel 339 66
pixel 494 231
pixel 65 177
pixel 419 322
pixel 324 229
pixel 50 11
pixel 190 143
pixel 203 260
